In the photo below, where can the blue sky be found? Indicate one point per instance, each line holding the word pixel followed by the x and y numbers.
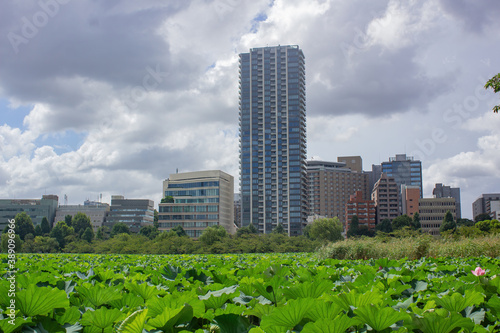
pixel 112 97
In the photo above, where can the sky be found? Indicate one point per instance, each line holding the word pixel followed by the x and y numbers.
pixel 112 96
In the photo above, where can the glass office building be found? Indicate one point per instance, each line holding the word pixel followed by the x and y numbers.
pixel 273 138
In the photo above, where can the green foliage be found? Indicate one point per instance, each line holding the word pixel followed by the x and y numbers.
pixel 5 242
pixel 213 234
pixel 149 231
pixel 251 293
pixel 40 244
pixel 401 221
pixel 168 199
pixel 102 233
pixel 482 217
pixel 384 226
pixel 494 83
pixel 488 226
pixel 415 223
pixel 179 231
pixel 326 230
pixel 250 229
pixel 45 226
pixel 60 232
pixel 69 220
pixel 24 225
pixel 38 230
pixel 80 223
pixel 119 228
pixel 279 229
pixel 88 235
pixel 448 223
pixel 353 229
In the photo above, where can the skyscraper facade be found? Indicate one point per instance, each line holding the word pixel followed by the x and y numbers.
pixel 273 138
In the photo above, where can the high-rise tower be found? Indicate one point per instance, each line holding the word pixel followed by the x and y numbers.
pixel 273 138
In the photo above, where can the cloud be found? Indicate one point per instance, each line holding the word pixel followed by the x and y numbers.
pixel 134 90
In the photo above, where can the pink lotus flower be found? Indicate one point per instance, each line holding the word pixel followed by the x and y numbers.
pixel 478 271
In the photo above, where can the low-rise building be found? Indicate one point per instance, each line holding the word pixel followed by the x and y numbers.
pixel 363 209
pixel 432 212
pixel 135 213
pixel 37 209
pixel 200 199
pixel 96 211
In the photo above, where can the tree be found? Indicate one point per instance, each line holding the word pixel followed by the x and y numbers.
pixel 213 234
pixel 415 223
pixel 60 232
pixel 168 199
pixel 465 223
pixel 448 223
pixel 179 231
pixel 88 235
pixel 38 230
pixel 24 225
pixel 327 229
pixel 40 245
pixel 80 223
pixel 482 217
pixel 156 224
pixel 149 231
pixel 401 221
pixel 250 229
pixel 279 229
pixel 494 83
pixel 45 226
pixel 5 242
pixel 102 233
pixel 68 219
pixel 384 226
pixel 120 228
pixel 353 226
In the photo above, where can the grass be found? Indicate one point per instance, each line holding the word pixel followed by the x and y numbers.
pixel 412 248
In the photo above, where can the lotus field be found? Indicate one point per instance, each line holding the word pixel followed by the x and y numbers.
pixel 248 293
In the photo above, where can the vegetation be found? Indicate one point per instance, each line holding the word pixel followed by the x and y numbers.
pixel 494 83
pixel 250 293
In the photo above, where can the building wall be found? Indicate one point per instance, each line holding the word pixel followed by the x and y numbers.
pixel 443 191
pixel 432 212
pixel 330 185
pixel 96 213
pixel 355 163
pixel 201 199
pixel 273 138
pixel 405 170
pixel 385 196
pixel 37 209
pixel 482 204
pixel 410 196
pixel 135 213
pixel 363 209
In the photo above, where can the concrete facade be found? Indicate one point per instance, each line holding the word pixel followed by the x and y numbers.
pixel 385 195
pixel 363 209
pixel 443 191
pixel 37 209
pixel 96 212
pixel 135 213
pixel 410 196
pixel 482 205
pixel 330 185
pixel 201 199
pixel 432 212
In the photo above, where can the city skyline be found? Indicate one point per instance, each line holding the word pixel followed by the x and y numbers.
pixel 99 97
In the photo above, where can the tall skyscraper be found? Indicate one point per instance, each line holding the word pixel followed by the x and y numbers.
pixel 273 138
pixel 405 170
